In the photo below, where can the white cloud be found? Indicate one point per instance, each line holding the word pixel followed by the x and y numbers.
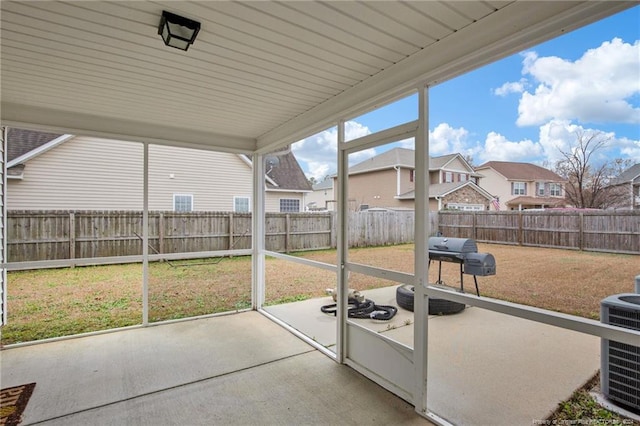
pixel 499 148
pixel 596 88
pixel 445 139
pixel 317 154
pixel 511 87
pixel 558 135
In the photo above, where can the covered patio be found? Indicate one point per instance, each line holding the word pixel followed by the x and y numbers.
pixel 259 77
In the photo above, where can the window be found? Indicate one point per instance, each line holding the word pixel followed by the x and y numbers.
pixel 448 176
pixel 518 188
pixel 289 205
pixel 555 190
pixel 182 202
pixel 462 177
pixel 465 207
pixel 241 205
pixel 540 189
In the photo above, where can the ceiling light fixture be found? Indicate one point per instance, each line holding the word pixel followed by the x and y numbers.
pixel 177 31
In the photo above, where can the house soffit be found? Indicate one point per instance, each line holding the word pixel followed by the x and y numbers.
pixel 260 75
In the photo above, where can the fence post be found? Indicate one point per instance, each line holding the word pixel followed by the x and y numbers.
pixel 72 237
pixel 332 229
pixel 287 231
pixel 520 227
pixel 161 233
pixel 475 226
pixel 231 230
pixel 581 232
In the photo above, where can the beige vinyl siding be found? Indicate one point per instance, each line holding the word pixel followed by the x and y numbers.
pixel 272 200
pixel 86 173
pixel 497 185
pixel 81 173
pixel 320 197
pixel 376 189
pixel 213 178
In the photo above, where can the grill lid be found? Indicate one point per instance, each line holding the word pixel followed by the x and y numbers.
pixel 452 245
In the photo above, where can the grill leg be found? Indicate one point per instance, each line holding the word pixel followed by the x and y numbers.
pixel 461 280
pixel 439 273
pixel 475 280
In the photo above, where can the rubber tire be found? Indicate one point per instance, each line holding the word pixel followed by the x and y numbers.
pixel 405 297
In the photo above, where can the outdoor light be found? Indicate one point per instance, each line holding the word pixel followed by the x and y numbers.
pixel 177 31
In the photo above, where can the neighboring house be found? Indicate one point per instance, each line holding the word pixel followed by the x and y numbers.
pixel 322 198
pixel 388 180
pixel 64 172
pixel 628 183
pixel 520 186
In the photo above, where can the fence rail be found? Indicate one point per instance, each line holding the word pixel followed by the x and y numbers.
pixel 58 235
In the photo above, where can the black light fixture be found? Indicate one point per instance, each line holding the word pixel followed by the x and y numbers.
pixel 177 31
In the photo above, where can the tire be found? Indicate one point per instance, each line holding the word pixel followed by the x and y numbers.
pixel 405 297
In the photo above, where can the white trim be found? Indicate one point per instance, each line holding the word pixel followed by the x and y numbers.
pixel 287 190
pixel 258 234
pixel 20 177
pixel 302 261
pixel 241 196
pixel 182 195
pixel 394 134
pixel 39 150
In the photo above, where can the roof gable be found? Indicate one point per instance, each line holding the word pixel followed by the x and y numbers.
pixel 404 157
pixel 521 171
pixel 629 175
pixel 21 141
pixel 288 174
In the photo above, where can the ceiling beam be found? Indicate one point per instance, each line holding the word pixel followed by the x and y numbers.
pixel 53 120
pixel 517 26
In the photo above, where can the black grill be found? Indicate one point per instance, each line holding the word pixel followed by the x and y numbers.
pixel 463 251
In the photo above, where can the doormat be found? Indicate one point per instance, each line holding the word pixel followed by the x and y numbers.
pixel 13 401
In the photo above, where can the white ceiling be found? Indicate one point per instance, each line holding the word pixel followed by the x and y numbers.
pixel 260 74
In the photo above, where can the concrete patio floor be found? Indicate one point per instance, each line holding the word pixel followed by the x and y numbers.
pixel 485 368
pixel 240 369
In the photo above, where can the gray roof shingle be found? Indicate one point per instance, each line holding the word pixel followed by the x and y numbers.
pixel 521 171
pixel 21 141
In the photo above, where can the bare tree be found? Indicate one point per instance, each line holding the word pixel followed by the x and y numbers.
pixel 588 183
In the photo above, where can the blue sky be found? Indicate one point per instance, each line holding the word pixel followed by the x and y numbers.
pixel 525 107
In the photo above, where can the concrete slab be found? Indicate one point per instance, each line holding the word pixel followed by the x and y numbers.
pixel 306 389
pixel 485 368
pixel 306 317
pixel 78 374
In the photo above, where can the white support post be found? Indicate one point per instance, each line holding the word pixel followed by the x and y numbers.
pixel 420 326
pixel 3 228
pixel 342 245
pixel 258 234
pixel 145 235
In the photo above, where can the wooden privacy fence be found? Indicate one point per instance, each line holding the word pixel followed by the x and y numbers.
pixel 59 235
pixel 54 235
pixel 605 231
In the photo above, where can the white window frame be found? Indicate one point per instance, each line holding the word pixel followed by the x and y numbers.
pixel 239 197
pixel 288 200
pixel 463 177
pixel 519 188
pixel 190 196
pixel 540 190
pixel 555 190
pixel 448 177
pixel 466 207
